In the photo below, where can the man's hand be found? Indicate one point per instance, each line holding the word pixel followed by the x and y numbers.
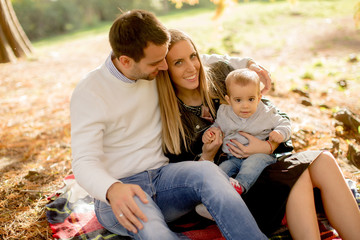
pixel 263 75
pixel 121 198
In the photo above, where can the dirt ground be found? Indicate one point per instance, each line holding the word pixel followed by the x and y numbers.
pixel 35 151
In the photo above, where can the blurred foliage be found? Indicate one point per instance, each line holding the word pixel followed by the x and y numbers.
pixel 179 3
pixel 45 18
pixel 357 15
pixel 222 4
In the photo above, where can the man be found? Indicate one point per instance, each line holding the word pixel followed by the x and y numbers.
pixel 116 144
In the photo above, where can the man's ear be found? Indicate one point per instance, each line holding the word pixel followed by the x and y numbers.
pixel 227 98
pixel 126 61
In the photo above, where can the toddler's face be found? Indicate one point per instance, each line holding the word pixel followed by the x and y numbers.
pixel 243 99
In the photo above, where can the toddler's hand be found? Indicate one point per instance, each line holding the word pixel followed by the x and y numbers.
pixel 276 136
pixel 208 136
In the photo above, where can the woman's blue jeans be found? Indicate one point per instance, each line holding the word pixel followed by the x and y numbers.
pixel 174 190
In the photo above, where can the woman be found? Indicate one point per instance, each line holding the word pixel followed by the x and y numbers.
pixel 188 102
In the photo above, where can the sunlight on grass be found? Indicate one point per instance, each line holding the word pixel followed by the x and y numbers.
pixel 242 22
pixel 181 14
pixel 102 28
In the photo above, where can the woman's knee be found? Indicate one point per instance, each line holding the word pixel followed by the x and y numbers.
pixel 324 161
pixel 323 168
pixel 327 156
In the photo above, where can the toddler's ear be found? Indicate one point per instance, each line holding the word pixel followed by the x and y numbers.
pixel 260 97
pixel 227 98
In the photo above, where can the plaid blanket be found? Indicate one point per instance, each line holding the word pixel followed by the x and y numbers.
pixel 71 215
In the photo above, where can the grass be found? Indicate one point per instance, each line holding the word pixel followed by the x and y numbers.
pixel 241 21
pixel 101 28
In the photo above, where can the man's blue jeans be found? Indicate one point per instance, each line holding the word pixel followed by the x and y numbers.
pixel 174 190
pixel 247 170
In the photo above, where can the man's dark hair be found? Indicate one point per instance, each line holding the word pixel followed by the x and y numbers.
pixel 132 31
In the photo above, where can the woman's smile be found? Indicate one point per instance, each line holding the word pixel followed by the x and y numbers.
pixel 191 78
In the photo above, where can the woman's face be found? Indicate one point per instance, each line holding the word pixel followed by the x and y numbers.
pixel 184 66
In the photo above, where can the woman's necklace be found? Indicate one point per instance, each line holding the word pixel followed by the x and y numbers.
pixel 197 110
pixel 200 111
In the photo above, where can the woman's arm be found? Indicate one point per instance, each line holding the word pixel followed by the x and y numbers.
pixel 284 146
pixel 263 74
pixel 255 146
pixel 235 62
pixel 238 62
pixel 209 150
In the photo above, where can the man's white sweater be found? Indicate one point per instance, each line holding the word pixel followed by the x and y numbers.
pixel 115 129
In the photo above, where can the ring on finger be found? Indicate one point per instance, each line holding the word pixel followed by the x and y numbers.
pixel 121 215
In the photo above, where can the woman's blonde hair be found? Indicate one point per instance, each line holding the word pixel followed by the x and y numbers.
pixel 173 131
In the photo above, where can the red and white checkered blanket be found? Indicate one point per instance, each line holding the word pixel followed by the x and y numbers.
pixel 71 215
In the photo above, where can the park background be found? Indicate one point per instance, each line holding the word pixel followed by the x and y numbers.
pixel 311 48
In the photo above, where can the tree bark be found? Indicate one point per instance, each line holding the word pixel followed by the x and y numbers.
pixel 165 6
pixel 13 40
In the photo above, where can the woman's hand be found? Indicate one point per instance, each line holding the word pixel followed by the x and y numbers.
pixel 263 75
pixel 255 146
pixel 210 149
pixel 208 136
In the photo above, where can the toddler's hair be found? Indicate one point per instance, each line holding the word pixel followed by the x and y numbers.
pixel 242 77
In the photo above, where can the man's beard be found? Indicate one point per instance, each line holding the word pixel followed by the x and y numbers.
pixel 137 75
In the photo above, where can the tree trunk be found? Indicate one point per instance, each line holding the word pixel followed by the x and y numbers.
pixel 165 6
pixel 13 40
